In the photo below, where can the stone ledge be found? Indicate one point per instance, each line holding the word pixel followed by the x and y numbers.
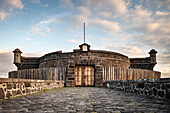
pixel 142 80
pixel 5 80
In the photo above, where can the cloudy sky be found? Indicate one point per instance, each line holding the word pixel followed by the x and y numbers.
pixel 131 27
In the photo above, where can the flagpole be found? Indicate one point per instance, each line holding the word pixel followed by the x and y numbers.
pixel 84 32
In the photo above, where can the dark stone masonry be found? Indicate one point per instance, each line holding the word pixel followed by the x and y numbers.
pixel 84 100
pixel 159 88
pixel 86 67
pixel 18 87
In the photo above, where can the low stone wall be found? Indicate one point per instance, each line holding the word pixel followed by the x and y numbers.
pixel 17 87
pixel 159 88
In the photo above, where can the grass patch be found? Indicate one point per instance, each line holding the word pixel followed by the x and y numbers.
pixel 128 102
pixel 47 90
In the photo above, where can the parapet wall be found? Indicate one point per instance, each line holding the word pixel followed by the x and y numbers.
pixel 142 63
pixel 159 88
pixel 119 73
pixel 17 87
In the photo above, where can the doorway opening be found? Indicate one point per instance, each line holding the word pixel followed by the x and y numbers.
pixel 84 76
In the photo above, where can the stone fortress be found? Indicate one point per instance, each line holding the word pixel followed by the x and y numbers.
pixel 86 67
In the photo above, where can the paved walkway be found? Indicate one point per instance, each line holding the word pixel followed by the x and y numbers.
pixel 81 99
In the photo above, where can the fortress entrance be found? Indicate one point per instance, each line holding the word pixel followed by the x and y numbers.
pixel 84 76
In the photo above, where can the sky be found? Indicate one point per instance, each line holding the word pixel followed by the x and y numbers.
pixel 130 27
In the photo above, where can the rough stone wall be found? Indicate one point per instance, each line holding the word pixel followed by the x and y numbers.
pixel 159 88
pixel 17 87
pixel 60 59
pixel 28 63
pixel 84 61
pixel 57 59
pixel 94 58
pixel 142 63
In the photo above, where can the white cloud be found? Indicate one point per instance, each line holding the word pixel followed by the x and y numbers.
pixel 73 41
pixel 47 29
pixel 157 4
pixel 84 10
pixel 103 8
pixel 7 6
pixel 105 14
pixel 77 20
pixel 37 31
pixel 129 50
pixel 152 26
pixel 107 25
pixel 68 3
pixel 28 39
pixel 3 15
pixel 42 27
pixel 159 13
pixel 140 15
pixel 117 7
pixel 166 72
pixel 6 63
pixel 12 4
pixel 39 2
pixel 47 22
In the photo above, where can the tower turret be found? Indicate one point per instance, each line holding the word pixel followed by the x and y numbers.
pixel 153 56
pixel 17 57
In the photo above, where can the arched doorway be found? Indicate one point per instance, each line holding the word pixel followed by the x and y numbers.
pixel 84 76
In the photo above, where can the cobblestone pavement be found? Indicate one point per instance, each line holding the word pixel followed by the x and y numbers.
pixel 84 99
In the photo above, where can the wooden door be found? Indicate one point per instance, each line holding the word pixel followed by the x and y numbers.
pixel 84 76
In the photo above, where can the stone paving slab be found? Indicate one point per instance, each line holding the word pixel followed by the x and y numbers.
pixel 84 99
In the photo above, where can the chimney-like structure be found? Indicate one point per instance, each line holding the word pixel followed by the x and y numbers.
pixel 153 56
pixel 17 57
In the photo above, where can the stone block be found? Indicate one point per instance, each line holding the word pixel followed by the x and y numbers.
pixel 19 92
pixel 168 85
pixel 163 86
pixel 14 86
pixel 140 85
pixel 2 93
pixel 27 85
pixel 9 86
pixel 167 95
pixel 8 94
pixel 23 91
pixel 157 85
pixel 28 90
pixel 150 92
pixel 14 93
pixel 155 91
pixel 161 93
